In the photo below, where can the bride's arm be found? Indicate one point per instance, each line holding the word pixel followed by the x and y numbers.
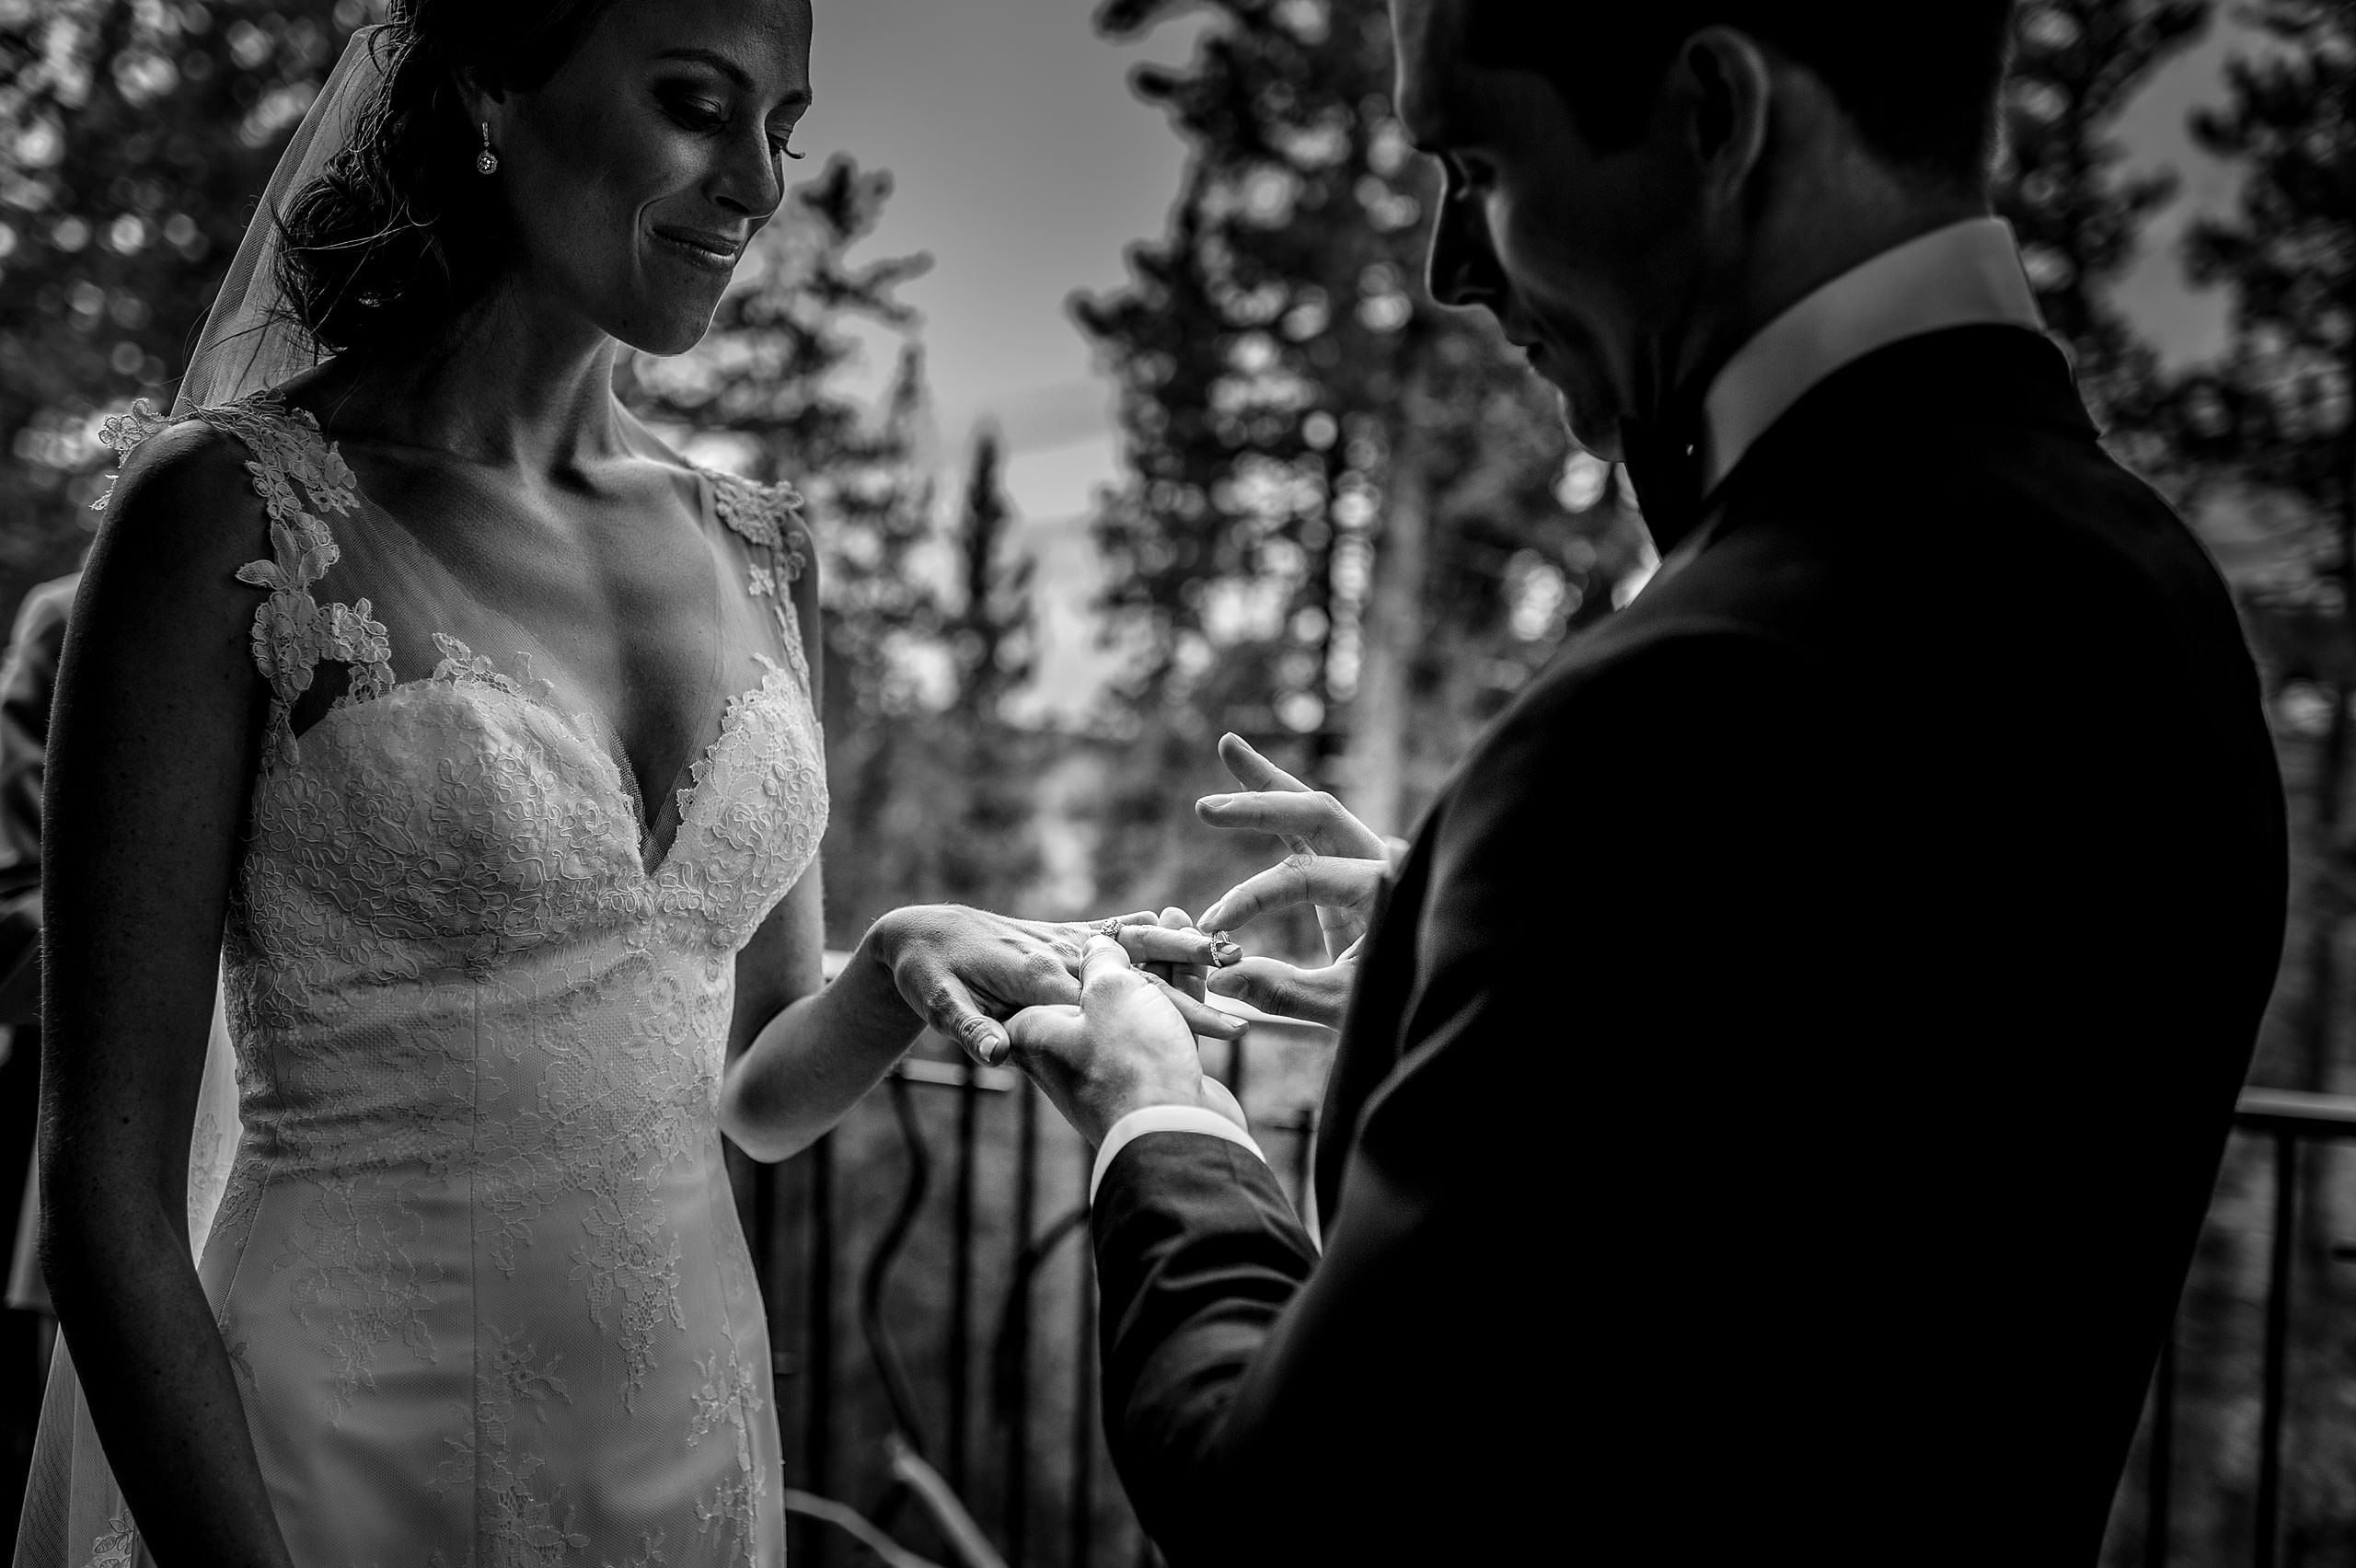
pixel 157 722
pixel 801 1052
pixel 955 969
pixel 809 1057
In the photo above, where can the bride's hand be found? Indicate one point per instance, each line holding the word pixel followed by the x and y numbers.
pixel 962 971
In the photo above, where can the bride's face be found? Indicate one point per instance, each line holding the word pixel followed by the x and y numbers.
pixel 636 176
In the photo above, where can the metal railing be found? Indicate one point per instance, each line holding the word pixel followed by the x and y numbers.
pixel 941 1478
pixel 808 1254
pixel 2289 1121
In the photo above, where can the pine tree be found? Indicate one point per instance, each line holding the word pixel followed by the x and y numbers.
pixel 985 763
pixel 2075 65
pixel 943 809
pixel 993 634
pixel 134 135
pixel 2267 435
pixel 1347 533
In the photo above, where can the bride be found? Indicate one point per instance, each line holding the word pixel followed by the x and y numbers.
pixel 466 733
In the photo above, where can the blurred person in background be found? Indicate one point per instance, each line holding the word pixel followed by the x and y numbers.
pixel 1781 1089
pixel 27 681
pixel 491 788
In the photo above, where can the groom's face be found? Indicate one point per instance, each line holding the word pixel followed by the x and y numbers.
pixel 1583 257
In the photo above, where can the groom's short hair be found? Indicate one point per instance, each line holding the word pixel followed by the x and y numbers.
pixel 1918 80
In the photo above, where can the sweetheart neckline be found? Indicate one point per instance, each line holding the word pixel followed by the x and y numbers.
pixel 731 721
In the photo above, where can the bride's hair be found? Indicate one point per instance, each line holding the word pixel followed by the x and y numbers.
pixel 399 232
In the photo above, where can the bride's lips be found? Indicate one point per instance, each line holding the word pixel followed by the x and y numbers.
pixel 701 248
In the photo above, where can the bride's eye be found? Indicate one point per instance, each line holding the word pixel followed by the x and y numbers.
pixel 695 113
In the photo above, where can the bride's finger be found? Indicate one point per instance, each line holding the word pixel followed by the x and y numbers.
pixel 1314 820
pixel 1068 939
pixel 1081 930
pixel 1188 977
pixel 1296 879
pixel 1157 944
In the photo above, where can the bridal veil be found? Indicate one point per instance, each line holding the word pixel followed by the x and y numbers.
pixel 250 341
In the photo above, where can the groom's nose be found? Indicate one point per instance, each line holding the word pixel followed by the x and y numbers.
pixel 1463 270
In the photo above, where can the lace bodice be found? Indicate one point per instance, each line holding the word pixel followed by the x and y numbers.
pixel 477 1224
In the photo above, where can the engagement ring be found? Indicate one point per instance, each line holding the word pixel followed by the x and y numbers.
pixel 1110 930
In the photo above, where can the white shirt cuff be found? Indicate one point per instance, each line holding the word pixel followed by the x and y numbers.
pixel 1163 1119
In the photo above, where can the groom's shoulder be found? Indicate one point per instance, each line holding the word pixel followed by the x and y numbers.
pixel 1892 548
pixel 1658 677
pixel 1742 613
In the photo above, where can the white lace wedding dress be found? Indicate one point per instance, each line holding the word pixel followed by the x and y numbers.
pixel 476 1263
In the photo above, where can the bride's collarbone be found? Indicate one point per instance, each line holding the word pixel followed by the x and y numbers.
pixel 581 563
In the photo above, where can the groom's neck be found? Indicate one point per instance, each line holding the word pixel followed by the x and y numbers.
pixel 1823 211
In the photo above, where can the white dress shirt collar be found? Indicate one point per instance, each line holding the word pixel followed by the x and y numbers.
pixel 1965 275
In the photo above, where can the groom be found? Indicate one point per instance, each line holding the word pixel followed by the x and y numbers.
pixel 1781 1088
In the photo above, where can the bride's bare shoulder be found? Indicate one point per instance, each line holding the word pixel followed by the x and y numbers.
pixel 182 517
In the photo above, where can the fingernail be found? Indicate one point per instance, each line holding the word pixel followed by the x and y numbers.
pixel 1224 952
pixel 1215 803
pixel 984 1039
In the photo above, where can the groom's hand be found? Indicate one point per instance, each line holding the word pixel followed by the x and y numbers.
pixel 963 970
pixel 1337 862
pixel 1124 1047
pixel 1337 865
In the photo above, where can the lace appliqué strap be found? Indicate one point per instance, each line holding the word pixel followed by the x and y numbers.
pixel 768 517
pixel 299 476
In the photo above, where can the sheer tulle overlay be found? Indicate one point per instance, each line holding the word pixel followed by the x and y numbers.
pixel 477 1265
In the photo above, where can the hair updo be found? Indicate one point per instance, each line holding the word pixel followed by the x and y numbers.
pixel 400 232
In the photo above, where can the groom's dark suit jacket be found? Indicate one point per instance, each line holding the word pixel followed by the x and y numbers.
pixel 1785 1085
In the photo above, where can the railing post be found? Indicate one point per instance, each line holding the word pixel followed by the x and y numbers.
pixel 1018 1450
pixel 2278 1325
pixel 819 1363
pixel 960 1271
pixel 1083 1395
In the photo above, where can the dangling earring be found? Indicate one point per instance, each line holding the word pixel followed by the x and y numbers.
pixel 486 161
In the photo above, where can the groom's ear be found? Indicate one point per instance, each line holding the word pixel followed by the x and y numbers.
pixel 1723 89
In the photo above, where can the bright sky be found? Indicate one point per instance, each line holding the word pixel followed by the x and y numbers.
pixel 2188 324
pixel 1024 166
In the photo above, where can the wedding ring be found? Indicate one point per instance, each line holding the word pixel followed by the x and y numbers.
pixel 1110 930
